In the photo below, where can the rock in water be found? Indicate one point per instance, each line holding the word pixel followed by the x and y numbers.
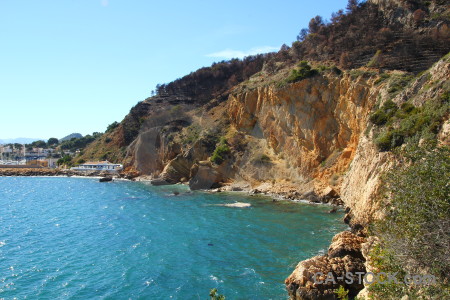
pixel 159 181
pixel 204 176
pixel 344 257
pixel 105 179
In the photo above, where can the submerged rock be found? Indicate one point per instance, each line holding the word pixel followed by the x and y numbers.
pixel 159 181
pixel 333 210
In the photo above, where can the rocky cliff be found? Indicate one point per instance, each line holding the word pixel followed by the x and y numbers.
pixel 361 182
pixel 309 139
pixel 261 126
pixel 302 134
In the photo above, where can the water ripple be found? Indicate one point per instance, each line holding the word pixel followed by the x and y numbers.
pixel 67 238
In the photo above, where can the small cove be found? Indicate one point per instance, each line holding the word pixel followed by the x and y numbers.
pixel 78 238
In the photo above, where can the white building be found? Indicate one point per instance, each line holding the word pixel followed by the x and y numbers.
pixel 98 166
pixel 52 162
pixel 6 149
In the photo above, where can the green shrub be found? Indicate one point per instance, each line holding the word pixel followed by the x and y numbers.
pixel 332 68
pixel 341 293
pixel 379 118
pixel 405 110
pixel 389 139
pixel 192 134
pixel 383 141
pixel 415 233
pixel 65 160
pixel 383 77
pixel 221 151
pixel 376 59
pixel 409 122
pixel 112 126
pixel 303 71
pixel 382 115
pixel 399 82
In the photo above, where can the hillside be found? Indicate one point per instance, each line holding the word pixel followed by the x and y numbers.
pixel 71 136
pixel 383 35
pixel 324 120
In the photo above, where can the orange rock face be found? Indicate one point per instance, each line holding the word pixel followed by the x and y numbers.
pixel 309 122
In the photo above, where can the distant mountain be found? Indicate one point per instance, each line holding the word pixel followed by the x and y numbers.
pixel 18 140
pixel 71 136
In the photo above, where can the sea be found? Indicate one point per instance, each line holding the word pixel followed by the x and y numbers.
pixel 77 238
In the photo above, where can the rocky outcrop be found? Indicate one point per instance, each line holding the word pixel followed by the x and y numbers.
pixel 204 176
pixel 181 166
pixel 314 124
pixel 361 183
pixel 320 276
pixel 359 190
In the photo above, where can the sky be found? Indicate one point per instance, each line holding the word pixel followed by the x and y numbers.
pixel 78 65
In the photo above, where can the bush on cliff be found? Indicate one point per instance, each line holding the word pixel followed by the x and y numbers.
pixel 303 71
pixel 415 233
pixel 384 113
pixel 112 126
pixel 220 153
pixel 409 123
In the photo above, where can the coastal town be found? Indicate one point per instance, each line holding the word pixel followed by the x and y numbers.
pixel 18 155
pixel 50 156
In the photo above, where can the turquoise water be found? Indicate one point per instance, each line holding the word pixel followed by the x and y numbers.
pixel 76 238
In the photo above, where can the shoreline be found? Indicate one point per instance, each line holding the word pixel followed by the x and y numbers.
pixel 273 191
pixel 47 172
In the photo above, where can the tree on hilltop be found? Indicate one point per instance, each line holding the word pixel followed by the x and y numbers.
pixel 315 23
pixel 352 5
pixel 302 35
pixel 52 141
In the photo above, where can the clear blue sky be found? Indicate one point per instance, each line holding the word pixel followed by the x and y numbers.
pixel 78 65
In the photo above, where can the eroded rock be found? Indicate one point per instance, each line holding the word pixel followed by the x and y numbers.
pixel 320 276
pixel 204 176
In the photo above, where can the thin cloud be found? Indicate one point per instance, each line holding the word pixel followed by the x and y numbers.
pixel 230 53
pixel 104 3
